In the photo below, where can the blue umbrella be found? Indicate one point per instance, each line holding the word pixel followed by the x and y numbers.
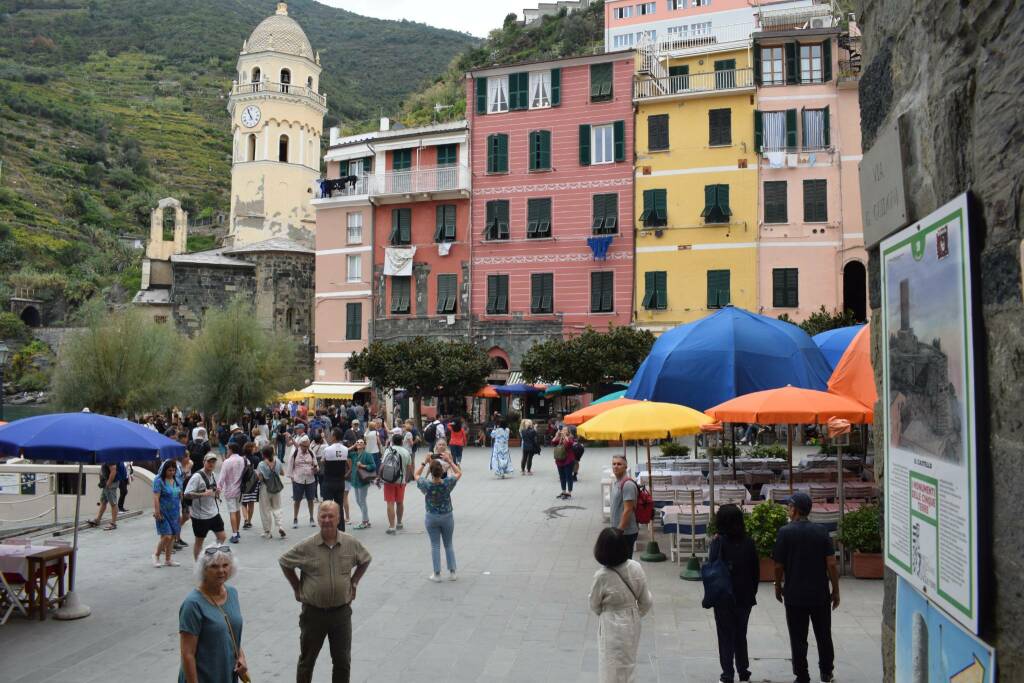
pixel 517 389
pixel 727 354
pixel 83 438
pixel 833 343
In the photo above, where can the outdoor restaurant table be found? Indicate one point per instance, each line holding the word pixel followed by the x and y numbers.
pixel 31 563
pixel 703 492
pixel 799 486
pixel 678 476
pixel 821 461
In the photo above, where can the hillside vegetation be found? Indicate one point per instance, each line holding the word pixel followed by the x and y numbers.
pixel 108 105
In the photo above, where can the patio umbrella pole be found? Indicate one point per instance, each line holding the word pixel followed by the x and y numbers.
pixel 653 552
pixel 732 432
pixel 72 609
pixel 842 504
pixel 692 570
pixel 789 450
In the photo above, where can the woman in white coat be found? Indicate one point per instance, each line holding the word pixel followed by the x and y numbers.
pixel 620 598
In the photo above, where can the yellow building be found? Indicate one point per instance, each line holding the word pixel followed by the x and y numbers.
pixel 696 181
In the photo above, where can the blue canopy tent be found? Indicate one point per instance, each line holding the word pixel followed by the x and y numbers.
pixel 728 354
pixel 833 343
pixel 85 438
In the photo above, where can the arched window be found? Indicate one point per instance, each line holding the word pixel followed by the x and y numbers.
pixel 309 82
pixel 282 149
pixel 256 76
pixel 251 153
pixel 167 220
pixel 286 79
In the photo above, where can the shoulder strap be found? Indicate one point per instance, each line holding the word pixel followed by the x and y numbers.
pixel 626 582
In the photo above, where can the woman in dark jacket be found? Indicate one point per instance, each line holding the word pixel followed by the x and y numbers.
pixel 738 551
pixel 531 446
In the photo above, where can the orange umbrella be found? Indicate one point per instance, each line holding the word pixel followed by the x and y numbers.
pixel 854 376
pixel 487 392
pixel 790 405
pixel 595 409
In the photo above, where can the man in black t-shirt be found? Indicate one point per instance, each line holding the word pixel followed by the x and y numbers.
pixel 805 565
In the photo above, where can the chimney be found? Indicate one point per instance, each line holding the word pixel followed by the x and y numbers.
pixel 335 134
pixel 282 8
pixel 385 124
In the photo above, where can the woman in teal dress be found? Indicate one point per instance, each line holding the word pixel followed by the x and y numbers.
pixel 501 459
pixel 210 623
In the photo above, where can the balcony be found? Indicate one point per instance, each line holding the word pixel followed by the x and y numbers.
pixel 816 15
pixel 699 39
pixel 427 180
pixel 292 89
pixel 346 186
pixel 700 84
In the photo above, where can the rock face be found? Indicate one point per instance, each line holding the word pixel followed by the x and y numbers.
pixel 955 70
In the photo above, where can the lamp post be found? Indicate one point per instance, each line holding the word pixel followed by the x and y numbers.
pixel 4 352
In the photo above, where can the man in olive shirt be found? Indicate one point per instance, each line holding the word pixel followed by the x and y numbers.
pixel 326 590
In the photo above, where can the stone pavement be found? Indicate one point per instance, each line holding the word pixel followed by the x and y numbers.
pixel 518 612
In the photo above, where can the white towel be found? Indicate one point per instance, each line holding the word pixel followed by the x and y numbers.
pixel 443 248
pixel 776 159
pixel 398 260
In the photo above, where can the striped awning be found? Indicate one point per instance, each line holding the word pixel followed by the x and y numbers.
pixel 515 377
pixel 333 390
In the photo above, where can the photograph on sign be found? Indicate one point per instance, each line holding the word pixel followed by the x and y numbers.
pixel 932 648
pixel 930 444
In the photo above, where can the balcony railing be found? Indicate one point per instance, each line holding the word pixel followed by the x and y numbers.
pixel 709 81
pixel 421 180
pixel 346 186
pixel 283 88
pixel 699 38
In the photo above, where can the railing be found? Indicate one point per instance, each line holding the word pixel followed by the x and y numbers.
pixel 699 38
pixel 818 15
pixel 849 69
pixel 347 186
pixel 709 81
pixel 426 179
pixel 650 61
pixel 284 88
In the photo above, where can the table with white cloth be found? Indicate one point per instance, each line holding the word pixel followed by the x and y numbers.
pixel 822 460
pixel 678 476
pixel 32 563
pixel 799 486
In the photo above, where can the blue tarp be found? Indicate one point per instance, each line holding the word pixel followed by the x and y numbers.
pixel 728 354
pixel 833 343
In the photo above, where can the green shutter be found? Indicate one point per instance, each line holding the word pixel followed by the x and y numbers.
pixel 607 292
pixel 501 219
pixel 600 81
pixel 492 152
pixel 556 87
pixel 792 72
pixel 778 288
pixel 650 297
pixel 661 206
pixel 481 95
pixel 394 237
pixel 439 228
pixel 532 217
pixel 595 292
pixel 723 201
pixel 619 128
pixel 718 288
pixel 503 293
pixel 645 215
pixel 710 201
pixel 791 129
pixel 758 132
pixel 757 64
pixel 449 223
pixel 535 292
pixel 826 61
pixel 584 145
pixel 502 161
pixel 545 149
pixel 518 91
pixel 826 127
pixel 405 225
pixel 492 293
pixel 597 224
pixel 661 287
pixel 533 151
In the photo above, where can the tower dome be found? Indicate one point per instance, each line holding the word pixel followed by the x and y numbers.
pixel 280 33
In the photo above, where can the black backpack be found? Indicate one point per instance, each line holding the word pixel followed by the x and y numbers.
pixel 430 433
pixel 249 480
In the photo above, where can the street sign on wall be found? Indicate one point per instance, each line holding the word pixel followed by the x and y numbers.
pixel 883 196
pixel 931 501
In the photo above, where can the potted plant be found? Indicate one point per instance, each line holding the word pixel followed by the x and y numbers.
pixel 674 449
pixel 763 524
pixel 861 533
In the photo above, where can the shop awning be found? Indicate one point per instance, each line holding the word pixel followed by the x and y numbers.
pixel 333 389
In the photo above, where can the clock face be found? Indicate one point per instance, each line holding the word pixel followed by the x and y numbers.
pixel 250 116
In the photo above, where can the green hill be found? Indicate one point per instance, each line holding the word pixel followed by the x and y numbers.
pixel 108 105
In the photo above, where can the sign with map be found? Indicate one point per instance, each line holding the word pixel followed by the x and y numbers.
pixel 931 648
pixel 928 383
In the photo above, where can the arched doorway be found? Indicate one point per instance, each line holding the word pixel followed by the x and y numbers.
pixel 855 290
pixel 30 316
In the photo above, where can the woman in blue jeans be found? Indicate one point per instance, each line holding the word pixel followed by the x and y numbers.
pixel 437 494
pixel 564 446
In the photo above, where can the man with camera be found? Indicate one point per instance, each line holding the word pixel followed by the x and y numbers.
pixel 204 494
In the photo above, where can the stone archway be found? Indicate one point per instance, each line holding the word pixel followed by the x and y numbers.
pixel 855 289
pixel 30 316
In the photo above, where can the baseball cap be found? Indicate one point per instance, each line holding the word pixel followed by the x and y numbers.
pixel 235 426
pixel 210 456
pixel 398 431
pixel 801 501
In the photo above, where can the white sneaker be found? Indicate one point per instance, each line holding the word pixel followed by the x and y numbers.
pixel 451 576
pixel 156 561
pixel 435 578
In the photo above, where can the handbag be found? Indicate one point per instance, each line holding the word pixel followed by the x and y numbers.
pixel 365 476
pixel 717 579
pixel 637 599
pixel 244 677
pixel 560 454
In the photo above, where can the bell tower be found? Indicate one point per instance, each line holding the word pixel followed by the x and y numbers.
pixel 277 115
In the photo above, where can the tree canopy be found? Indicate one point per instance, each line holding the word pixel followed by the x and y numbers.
pixel 590 358
pixel 823 320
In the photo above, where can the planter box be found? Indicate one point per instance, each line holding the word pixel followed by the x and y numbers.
pixel 868 565
pixel 514 442
pixel 767 569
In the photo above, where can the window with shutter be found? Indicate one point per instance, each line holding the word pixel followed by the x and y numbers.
pixel 496 227
pixel 540 150
pixel 771 66
pixel 602 145
pixel 719 127
pixel 679 78
pixel 810 64
pixel 600 82
pixel 538 218
pixel 815 201
pixel 447 155
pixel 773 131
pixel 813 128
pixel 497 294
pixel 657 132
pixel 401 227
pixel 601 291
pixel 497 94
pixel 401 160
pixel 400 294
pixel 540 89
pixel 655 213
pixel 542 293
pixel 518 91
pixel 445 228
pixel 606 214
pixel 497 153
pixel 775 202
pixel 353 321
pixel 655 290
pixel 785 288
pixel 718 288
pixel 481 95
pixel 725 74
pixel 447 291
pixel 716 204
pixel 556 87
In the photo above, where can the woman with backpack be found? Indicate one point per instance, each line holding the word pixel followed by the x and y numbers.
pixel 620 598
pixel 501 460
pixel 270 471
pixel 736 549
pixel 531 446
pixel 250 483
pixel 565 460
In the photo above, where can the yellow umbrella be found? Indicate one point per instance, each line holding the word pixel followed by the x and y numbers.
pixel 645 420
pixel 294 395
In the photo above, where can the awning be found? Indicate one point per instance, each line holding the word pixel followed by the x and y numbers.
pixel 333 389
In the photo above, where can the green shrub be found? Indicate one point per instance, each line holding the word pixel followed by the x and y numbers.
pixel 674 449
pixel 728 450
pixel 36 380
pixel 772 451
pixel 12 327
pixel 861 530
pixel 763 525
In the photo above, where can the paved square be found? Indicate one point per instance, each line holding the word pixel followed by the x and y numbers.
pixel 518 612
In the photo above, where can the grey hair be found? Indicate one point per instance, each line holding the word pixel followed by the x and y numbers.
pixel 206 559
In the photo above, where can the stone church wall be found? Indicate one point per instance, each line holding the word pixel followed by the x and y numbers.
pixel 201 287
pixel 285 291
pixel 956 71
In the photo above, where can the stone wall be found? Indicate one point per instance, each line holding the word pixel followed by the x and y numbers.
pixel 200 287
pixel 955 70
pixel 285 291
pixel 515 336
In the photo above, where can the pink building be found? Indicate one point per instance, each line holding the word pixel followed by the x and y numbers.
pixel 807 133
pixel 552 205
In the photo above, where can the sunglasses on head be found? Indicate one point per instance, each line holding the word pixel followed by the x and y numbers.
pixel 214 549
